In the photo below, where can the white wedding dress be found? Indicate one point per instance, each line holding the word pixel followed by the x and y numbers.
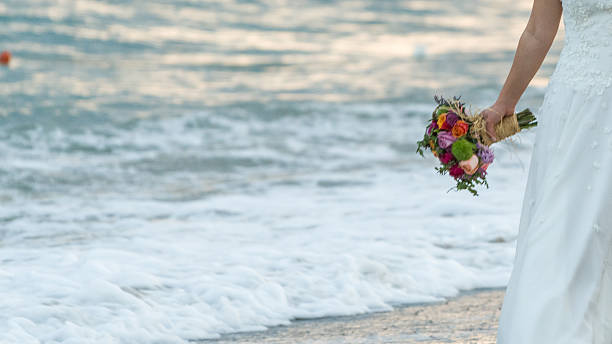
pixel 560 290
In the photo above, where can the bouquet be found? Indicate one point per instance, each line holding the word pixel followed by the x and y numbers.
pixel 461 143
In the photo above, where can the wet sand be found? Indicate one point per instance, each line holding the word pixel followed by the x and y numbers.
pixel 471 317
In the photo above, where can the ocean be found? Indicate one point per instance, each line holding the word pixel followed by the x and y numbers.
pixel 172 171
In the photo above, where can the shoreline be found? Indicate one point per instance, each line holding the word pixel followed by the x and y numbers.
pixel 469 317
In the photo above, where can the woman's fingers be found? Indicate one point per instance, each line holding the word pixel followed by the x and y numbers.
pixel 491 120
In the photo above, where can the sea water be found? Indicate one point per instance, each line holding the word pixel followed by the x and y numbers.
pixel 171 171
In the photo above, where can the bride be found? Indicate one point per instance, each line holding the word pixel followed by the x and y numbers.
pixel 560 290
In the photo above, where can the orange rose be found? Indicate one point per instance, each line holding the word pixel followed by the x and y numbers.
pixel 441 120
pixel 460 128
pixel 470 165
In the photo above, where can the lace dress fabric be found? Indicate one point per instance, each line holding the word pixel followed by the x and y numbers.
pixel 586 59
pixel 560 290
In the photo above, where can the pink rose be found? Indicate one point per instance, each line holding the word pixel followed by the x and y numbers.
pixel 484 167
pixel 470 165
pixel 445 139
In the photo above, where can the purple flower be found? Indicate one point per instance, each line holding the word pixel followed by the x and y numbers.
pixel 431 127
pixel 445 139
pixel 484 153
pixel 451 118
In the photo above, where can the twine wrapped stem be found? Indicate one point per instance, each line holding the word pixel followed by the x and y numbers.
pixel 507 127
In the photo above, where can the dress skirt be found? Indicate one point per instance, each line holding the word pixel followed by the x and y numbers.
pixel 560 289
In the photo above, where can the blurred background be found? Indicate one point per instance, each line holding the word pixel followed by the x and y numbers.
pixel 177 170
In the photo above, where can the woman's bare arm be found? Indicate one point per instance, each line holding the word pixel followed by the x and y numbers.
pixel 533 46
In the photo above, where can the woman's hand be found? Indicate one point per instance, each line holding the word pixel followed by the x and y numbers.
pixel 493 115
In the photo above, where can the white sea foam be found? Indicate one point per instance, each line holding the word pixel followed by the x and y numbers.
pixel 118 260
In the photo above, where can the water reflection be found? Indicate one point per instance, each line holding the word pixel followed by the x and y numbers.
pixel 95 56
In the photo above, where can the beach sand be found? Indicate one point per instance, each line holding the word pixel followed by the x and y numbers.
pixel 471 317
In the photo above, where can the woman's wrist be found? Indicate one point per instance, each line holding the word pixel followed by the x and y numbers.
pixel 504 108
